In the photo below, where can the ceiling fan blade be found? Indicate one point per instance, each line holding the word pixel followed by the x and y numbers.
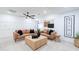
pixel 33 15
pixel 24 14
pixel 29 16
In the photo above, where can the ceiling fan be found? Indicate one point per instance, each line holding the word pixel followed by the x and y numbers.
pixel 29 16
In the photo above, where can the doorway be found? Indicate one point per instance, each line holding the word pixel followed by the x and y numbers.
pixel 69 26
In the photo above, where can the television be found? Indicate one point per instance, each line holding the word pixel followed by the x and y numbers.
pixel 50 25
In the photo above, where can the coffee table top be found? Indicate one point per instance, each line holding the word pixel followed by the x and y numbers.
pixel 35 39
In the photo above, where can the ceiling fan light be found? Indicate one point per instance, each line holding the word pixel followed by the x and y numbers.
pixel 27 12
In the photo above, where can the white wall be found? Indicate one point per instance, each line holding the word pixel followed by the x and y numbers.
pixel 9 23
pixel 59 21
pixel 59 24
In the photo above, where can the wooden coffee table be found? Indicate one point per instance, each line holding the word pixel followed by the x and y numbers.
pixel 37 42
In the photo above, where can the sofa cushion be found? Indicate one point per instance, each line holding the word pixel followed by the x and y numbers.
pixel 50 31
pixel 20 32
pixel 44 34
pixel 26 31
pixel 31 30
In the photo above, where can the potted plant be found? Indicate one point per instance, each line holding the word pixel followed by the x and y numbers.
pixel 76 41
pixel 38 30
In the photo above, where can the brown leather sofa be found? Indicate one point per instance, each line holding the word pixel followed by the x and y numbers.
pixel 17 36
pixel 53 36
pixel 26 32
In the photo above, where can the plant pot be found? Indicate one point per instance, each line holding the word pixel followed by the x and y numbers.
pixel 76 42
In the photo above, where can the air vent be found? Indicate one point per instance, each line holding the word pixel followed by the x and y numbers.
pixel 13 11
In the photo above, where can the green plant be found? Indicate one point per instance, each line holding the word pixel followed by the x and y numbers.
pixel 38 30
pixel 77 36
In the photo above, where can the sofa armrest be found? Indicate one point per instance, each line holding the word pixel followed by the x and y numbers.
pixel 16 35
pixel 44 34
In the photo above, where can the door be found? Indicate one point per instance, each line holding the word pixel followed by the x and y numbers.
pixel 69 26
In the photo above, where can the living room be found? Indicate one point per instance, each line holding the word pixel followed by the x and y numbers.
pixel 35 19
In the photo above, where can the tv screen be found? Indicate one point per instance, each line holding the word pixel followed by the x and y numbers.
pixel 50 25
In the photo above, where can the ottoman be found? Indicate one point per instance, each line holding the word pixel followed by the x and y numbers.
pixel 35 43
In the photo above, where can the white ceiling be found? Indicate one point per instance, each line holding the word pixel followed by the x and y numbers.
pixel 40 11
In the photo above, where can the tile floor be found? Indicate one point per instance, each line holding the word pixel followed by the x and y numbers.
pixel 8 44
